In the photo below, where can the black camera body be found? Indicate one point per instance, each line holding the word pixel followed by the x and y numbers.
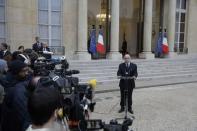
pixel 76 98
pixel 91 125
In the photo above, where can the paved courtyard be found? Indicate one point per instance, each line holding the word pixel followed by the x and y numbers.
pixel 165 108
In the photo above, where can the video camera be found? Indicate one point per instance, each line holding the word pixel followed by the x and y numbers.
pixel 77 98
pixel 42 66
pixel 98 125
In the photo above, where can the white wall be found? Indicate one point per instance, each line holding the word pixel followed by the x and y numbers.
pixel 70 21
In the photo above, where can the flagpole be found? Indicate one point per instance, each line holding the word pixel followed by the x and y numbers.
pixel 161 14
pixel 107 27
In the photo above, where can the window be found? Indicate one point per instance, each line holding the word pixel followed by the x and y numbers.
pixel 2 21
pixel 180 25
pixel 49 21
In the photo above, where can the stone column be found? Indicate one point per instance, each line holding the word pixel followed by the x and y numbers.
pixel 82 53
pixel 147 34
pixel 171 26
pixel 114 47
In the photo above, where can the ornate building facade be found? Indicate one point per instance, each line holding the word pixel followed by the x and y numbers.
pixel 67 24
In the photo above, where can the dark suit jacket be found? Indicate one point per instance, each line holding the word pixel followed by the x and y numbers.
pixel 36 48
pixel 15 116
pixel 132 71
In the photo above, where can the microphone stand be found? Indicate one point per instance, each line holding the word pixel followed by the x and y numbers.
pixel 126 80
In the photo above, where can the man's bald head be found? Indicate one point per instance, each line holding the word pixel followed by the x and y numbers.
pixel 127 58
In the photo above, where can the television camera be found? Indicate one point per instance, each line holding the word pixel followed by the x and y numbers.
pixel 77 98
pixel 97 124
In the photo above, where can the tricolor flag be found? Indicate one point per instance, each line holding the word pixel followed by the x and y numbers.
pixel 158 49
pixel 100 47
pixel 165 48
pixel 92 48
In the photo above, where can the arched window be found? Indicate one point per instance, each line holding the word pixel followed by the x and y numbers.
pixel 2 21
pixel 49 21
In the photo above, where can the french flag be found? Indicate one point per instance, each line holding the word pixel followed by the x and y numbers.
pixel 165 47
pixel 100 45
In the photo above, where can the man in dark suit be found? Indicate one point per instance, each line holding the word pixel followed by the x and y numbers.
pixel 38 46
pixel 4 53
pixel 127 69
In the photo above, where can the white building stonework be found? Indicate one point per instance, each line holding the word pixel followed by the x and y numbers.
pixel 128 19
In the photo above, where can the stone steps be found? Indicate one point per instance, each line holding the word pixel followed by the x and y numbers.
pixel 105 74
pixel 141 69
pixel 105 70
pixel 148 77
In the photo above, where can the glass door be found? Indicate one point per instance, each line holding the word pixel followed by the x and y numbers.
pixel 99 20
pixel 180 26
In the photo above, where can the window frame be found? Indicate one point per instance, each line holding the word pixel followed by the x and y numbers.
pixel 178 32
pixel 49 24
pixel 3 22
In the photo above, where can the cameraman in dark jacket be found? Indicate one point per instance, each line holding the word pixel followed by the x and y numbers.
pixel 15 116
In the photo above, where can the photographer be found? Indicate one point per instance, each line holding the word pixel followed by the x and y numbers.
pixel 127 69
pixel 43 106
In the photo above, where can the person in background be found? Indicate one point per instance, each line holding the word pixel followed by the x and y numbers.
pixel 22 56
pixel 15 116
pixel 46 51
pixel 21 48
pixel 15 55
pixel 4 53
pixel 124 46
pixel 130 70
pixel 38 46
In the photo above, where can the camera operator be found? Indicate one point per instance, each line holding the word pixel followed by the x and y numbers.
pixel 127 69
pixel 14 110
pixel 43 106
